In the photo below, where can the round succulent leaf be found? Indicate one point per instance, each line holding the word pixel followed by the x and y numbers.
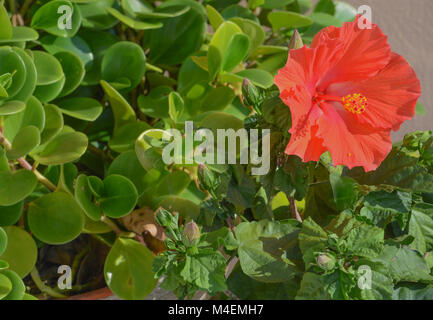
pixel 11 107
pixel 65 147
pixel 5 286
pixel 49 69
pixel 84 197
pixel 3 241
pixel 53 123
pixel 11 214
pixel 33 115
pixel 125 138
pixel 180 36
pixel 16 186
pixel 82 108
pixel 24 142
pixel 49 92
pixel 96 186
pixel 5 24
pixel 73 69
pixel 134 24
pixel 21 34
pixel 75 45
pixel 58 13
pixel 21 253
pixel 18 287
pixel 29 85
pixel 55 218
pixel 127 165
pixel 120 196
pixel 124 60
pixel 95 16
pixel 3 265
pixel 128 270
pixel 12 63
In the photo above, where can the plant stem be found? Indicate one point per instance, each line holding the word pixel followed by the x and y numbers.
pixel 111 224
pixel 43 287
pixel 25 165
pixel 294 209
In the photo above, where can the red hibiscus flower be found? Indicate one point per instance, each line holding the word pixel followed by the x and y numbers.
pixel 346 93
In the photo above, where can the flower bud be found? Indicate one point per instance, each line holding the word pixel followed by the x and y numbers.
pixel 251 93
pixel 163 217
pixel 206 177
pixel 191 231
pixel 325 261
pixel 296 41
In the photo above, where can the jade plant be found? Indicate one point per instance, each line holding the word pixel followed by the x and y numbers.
pixel 94 92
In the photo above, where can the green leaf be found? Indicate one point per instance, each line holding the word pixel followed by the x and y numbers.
pixel 49 69
pixel 175 106
pixel 87 109
pixel 180 36
pixel 10 214
pixel 5 24
pixel 3 241
pixel 48 18
pixel 325 6
pixel 224 47
pixel 16 186
pixel 122 111
pixel 253 30
pixel 128 270
pixel 53 123
pixel 33 115
pixel 285 19
pixel 18 287
pixel 125 138
pixel 382 207
pixel 187 209
pixel 365 241
pixel 134 24
pixel 5 286
pixel 120 196
pixel 127 165
pixel 11 107
pixel 206 270
pixel 246 288
pixel 413 292
pixel 405 264
pixel 344 11
pixel 83 196
pixel 311 235
pixel 124 60
pixel 421 227
pixel 73 68
pixel 268 250
pixel 218 99
pixel 400 170
pixel 27 139
pixel 21 34
pixel 21 253
pixel 214 17
pixel 343 189
pixel 56 218
pixel 65 147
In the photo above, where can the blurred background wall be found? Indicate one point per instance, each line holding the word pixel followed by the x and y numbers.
pixel 408 24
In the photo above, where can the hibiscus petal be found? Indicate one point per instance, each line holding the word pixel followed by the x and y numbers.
pixel 306 66
pixel 303 142
pixel 351 143
pixel 365 52
pixel 391 94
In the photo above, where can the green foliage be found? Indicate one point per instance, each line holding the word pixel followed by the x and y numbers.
pixel 83 112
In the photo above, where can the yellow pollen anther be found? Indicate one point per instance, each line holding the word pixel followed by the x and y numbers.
pixel 355 103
